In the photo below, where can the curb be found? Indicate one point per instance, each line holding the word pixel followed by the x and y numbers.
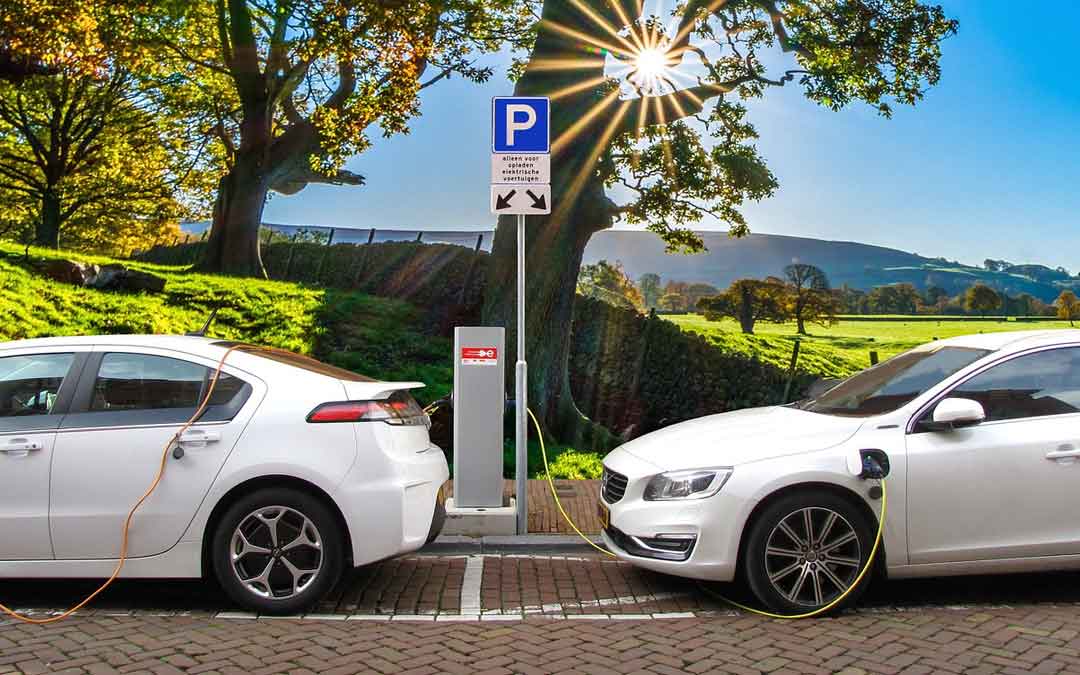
pixel 534 544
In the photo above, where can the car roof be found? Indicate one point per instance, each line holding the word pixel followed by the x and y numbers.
pixel 187 343
pixel 1011 340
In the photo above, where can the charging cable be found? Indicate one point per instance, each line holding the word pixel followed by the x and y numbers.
pixel 175 439
pixel 817 612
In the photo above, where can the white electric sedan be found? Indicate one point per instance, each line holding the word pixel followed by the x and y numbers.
pixel 296 469
pixel 982 433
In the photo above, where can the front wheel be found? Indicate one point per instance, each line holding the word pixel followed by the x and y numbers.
pixel 805 550
pixel 277 551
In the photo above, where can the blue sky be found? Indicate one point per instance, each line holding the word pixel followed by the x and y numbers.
pixel 986 166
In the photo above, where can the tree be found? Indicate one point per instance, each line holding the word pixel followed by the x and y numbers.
pixel 749 301
pixel 610 284
pixel 982 299
pixel 91 163
pixel 650 289
pixel 673 302
pixel 810 299
pixel 894 299
pixel 46 37
pixel 290 88
pixel 697 291
pixel 628 128
pixel 1068 306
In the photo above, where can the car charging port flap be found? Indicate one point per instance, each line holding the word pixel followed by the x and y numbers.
pixel 399 409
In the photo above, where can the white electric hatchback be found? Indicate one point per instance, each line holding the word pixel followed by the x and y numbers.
pixel 295 470
pixel 983 436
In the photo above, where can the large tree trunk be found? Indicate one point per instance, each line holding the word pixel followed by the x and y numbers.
pixel 233 245
pixel 555 243
pixel 47 231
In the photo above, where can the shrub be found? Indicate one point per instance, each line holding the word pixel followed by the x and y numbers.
pixel 575 465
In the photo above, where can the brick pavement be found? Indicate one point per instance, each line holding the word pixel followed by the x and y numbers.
pixel 1039 639
pixel 578 497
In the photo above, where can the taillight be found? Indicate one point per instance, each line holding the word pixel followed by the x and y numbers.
pixel 399 409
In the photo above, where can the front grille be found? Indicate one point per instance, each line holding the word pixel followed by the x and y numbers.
pixel 612 486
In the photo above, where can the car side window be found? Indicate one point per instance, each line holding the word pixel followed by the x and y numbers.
pixel 30 385
pixel 1034 385
pixel 148 382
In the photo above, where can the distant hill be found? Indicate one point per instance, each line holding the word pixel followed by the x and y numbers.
pixel 860 266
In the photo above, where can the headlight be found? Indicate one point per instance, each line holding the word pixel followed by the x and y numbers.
pixel 694 484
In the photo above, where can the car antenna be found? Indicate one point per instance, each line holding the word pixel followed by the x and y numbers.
pixel 206 326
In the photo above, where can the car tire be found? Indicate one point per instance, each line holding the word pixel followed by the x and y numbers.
pixel 791 573
pixel 277 551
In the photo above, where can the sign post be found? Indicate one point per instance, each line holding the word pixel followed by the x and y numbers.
pixel 521 186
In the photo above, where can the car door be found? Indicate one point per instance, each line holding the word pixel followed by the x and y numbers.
pixel 35 391
pixel 1008 487
pixel 129 404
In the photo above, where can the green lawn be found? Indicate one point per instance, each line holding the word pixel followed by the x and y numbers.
pixel 842 349
pixel 375 336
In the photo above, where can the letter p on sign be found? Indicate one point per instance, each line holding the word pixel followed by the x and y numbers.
pixel 520 124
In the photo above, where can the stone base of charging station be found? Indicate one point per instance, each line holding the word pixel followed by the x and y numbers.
pixel 480 522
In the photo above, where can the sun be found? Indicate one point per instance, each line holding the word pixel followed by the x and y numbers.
pixel 650 69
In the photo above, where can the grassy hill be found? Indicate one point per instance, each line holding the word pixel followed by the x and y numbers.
pixel 844 349
pixel 860 266
pixel 375 336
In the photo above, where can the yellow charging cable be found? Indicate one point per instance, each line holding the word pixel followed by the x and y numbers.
pixel 175 438
pixel 555 493
pixel 807 615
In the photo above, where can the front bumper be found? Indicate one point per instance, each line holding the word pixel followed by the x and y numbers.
pixel 709 528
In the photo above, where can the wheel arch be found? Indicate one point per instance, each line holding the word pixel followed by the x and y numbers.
pixel 880 568
pixel 240 490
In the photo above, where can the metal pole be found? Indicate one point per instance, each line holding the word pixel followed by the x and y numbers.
pixel 521 376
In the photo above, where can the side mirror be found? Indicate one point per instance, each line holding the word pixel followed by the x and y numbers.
pixel 956 413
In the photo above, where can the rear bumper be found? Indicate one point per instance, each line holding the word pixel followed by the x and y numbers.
pixel 397 514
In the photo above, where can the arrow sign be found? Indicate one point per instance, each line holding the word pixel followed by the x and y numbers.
pixel 538 202
pixel 521 200
pixel 503 201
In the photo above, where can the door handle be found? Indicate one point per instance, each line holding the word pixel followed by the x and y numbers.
pixel 1064 452
pixel 200 437
pixel 20 446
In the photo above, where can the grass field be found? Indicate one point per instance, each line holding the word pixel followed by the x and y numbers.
pixel 842 349
pixel 375 336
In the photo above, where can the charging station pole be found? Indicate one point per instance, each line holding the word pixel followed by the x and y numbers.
pixel 521 370
pixel 521 185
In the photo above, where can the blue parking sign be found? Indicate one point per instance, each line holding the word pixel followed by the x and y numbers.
pixel 520 124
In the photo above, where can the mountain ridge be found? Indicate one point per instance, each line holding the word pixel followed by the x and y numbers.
pixel 857 265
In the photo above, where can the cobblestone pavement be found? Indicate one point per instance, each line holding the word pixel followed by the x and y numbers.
pixel 533 614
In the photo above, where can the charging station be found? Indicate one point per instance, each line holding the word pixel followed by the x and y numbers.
pixel 477 507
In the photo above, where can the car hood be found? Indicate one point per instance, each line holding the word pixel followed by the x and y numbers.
pixel 742 436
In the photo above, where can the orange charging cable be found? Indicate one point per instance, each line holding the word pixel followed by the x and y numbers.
pixel 146 495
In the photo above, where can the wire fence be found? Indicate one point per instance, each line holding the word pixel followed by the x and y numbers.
pixel 271 233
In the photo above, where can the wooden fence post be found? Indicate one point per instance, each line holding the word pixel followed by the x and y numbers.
pixel 361 258
pixel 325 255
pixel 791 371
pixel 288 259
pixel 873 358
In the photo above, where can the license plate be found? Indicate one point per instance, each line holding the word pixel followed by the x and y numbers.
pixel 604 513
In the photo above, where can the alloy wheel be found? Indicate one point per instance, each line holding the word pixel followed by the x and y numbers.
pixel 276 552
pixel 812 556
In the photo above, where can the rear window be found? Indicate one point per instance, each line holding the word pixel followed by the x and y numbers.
pixel 299 361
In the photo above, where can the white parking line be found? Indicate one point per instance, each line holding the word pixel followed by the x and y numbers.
pixel 470 585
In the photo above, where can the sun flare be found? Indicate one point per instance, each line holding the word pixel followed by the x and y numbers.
pixel 650 63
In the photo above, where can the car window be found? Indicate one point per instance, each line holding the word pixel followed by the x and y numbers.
pixel 1043 383
pixel 147 382
pixel 893 383
pixel 29 384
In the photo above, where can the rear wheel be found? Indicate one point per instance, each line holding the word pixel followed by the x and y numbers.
pixel 277 551
pixel 807 549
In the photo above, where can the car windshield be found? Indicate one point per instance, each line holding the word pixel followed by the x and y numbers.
pixel 300 361
pixel 893 383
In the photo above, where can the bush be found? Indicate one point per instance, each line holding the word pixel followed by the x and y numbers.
pixel 575 465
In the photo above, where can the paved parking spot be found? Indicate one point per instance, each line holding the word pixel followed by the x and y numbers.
pixel 532 614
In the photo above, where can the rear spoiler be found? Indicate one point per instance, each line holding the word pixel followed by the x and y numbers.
pixel 391 387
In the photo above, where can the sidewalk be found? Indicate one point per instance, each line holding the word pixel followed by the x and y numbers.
pixel 578 497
